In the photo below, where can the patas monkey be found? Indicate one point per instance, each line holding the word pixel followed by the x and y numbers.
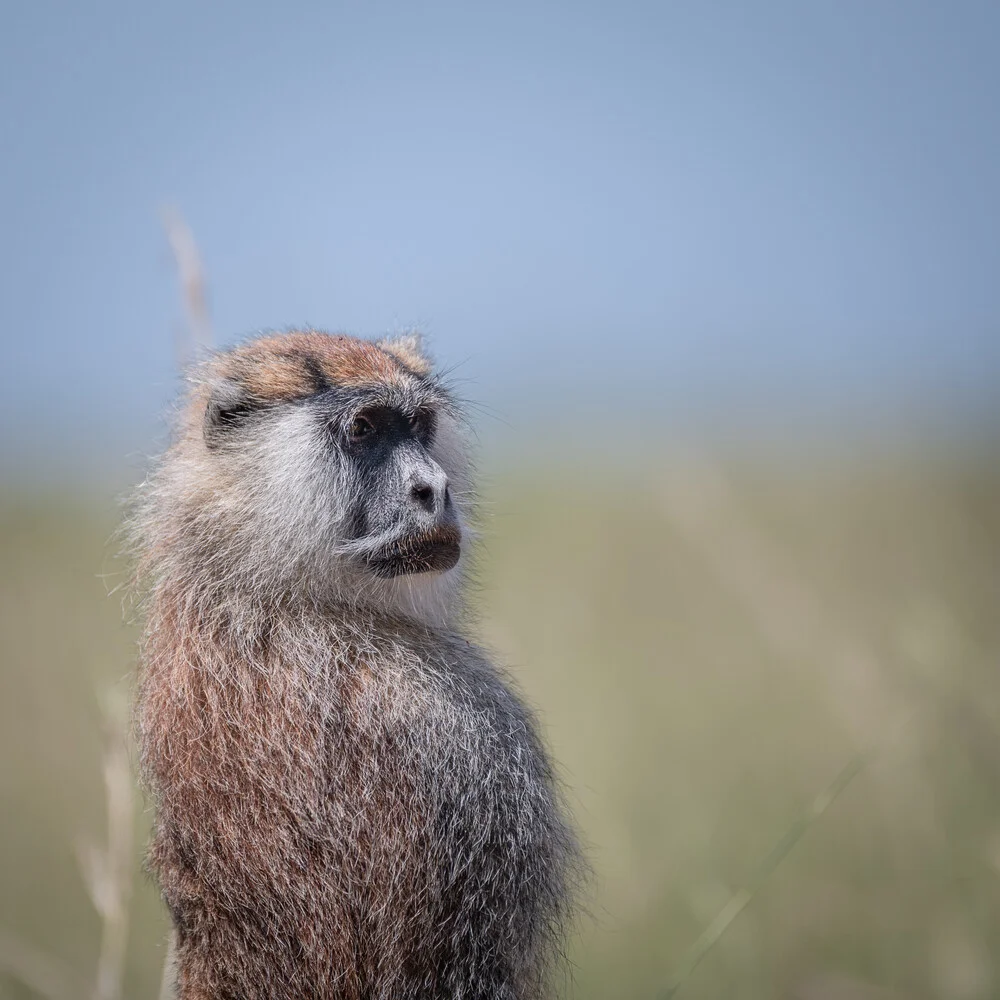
pixel 351 802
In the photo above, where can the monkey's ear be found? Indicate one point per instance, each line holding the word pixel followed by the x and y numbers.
pixel 228 406
pixel 408 348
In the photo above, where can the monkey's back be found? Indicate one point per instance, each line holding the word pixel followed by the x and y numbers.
pixel 347 817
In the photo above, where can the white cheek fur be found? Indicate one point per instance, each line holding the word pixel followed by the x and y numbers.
pixel 277 503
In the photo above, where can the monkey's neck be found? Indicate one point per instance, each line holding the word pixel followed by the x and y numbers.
pixel 230 635
pixel 233 610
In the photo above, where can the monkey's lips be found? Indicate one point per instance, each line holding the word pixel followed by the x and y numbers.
pixel 431 551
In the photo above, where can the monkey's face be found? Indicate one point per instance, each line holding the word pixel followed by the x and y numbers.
pixel 401 517
pixel 333 464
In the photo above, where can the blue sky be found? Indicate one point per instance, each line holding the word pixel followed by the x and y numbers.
pixel 786 205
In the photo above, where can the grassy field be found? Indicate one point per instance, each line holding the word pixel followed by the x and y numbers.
pixel 710 642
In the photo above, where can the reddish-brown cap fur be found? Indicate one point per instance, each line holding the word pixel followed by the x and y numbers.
pixel 287 366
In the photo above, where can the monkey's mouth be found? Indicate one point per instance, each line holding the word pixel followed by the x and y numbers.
pixel 436 550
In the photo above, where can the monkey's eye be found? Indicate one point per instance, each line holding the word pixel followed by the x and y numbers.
pixel 361 429
pixel 422 424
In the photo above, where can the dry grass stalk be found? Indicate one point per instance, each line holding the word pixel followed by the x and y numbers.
pixel 107 871
pixel 794 622
pixel 169 971
pixel 193 288
pixel 107 874
pixel 714 931
pixel 194 291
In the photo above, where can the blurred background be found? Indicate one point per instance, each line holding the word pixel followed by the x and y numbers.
pixel 723 283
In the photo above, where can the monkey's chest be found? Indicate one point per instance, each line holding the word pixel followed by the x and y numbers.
pixel 438 779
pixel 408 826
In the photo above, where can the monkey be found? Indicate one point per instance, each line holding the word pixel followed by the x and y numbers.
pixel 352 801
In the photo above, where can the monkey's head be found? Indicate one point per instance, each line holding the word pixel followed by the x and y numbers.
pixel 316 466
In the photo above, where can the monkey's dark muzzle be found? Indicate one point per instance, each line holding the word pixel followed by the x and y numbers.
pixel 436 550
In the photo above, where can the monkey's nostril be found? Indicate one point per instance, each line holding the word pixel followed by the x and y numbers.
pixel 424 495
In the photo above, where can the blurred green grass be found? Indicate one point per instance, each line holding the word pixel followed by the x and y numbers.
pixel 708 642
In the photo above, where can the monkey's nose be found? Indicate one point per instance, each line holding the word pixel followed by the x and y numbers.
pixel 430 493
